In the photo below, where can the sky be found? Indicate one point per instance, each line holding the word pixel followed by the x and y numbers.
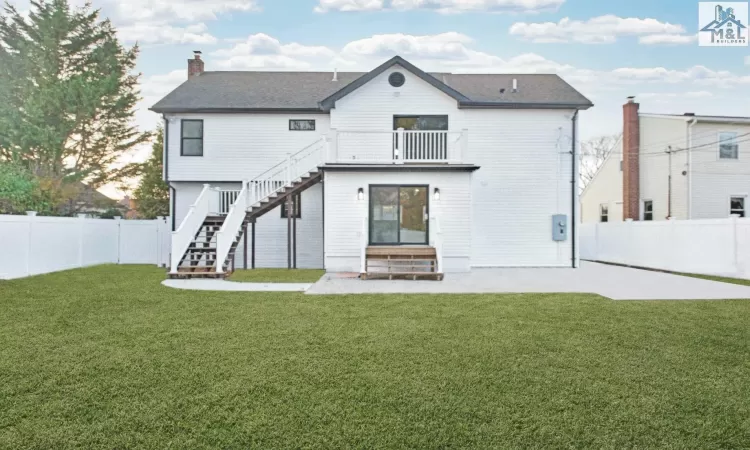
pixel 607 50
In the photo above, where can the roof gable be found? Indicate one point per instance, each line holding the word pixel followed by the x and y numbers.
pixel 328 103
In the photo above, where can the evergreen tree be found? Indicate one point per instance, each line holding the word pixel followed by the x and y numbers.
pixel 152 193
pixel 68 93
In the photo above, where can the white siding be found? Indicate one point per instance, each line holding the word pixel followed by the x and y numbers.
pixel 524 179
pixel 271 229
pixel 604 189
pixel 239 146
pixel 716 180
pixel 657 136
pixel 372 107
pixel 344 214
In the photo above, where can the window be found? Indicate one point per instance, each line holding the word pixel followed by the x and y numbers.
pixel 296 206
pixel 192 138
pixel 648 210
pixel 728 146
pixel 301 125
pixel 604 213
pixel 737 206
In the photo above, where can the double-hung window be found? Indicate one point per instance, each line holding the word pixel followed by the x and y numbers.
pixel 648 210
pixel 192 138
pixel 604 213
pixel 728 146
pixel 737 206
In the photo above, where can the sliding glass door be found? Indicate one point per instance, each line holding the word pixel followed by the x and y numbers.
pixel 398 215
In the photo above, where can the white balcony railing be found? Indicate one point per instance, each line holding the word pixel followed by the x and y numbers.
pixel 399 146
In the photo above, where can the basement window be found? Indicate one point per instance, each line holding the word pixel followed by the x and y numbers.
pixel 648 210
pixel 192 138
pixel 296 206
pixel 737 206
pixel 301 125
pixel 604 213
pixel 728 146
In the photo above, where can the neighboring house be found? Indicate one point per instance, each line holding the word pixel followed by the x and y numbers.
pixel 86 200
pixel 390 170
pixel 680 166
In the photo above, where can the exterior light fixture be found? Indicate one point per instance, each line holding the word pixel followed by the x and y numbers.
pixel 360 194
pixel 437 194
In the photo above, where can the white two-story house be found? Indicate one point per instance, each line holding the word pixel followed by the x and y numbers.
pixel 393 171
pixel 685 166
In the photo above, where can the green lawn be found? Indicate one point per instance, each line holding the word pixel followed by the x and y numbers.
pixel 277 275
pixel 108 358
pixel 740 281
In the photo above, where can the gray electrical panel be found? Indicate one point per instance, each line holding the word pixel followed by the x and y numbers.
pixel 559 227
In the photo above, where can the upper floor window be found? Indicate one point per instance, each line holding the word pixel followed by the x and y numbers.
pixel 192 138
pixel 604 213
pixel 302 125
pixel 737 206
pixel 648 210
pixel 728 146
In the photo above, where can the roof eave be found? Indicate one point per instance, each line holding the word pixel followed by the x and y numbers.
pixel 168 110
pixel 522 105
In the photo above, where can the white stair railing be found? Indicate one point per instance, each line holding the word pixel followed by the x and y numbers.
pixel 230 229
pixel 287 171
pixel 363 246
pixel 183 236
pixel 436 242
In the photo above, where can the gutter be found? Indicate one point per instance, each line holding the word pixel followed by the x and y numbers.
pixel 690 167
pixel 574 189
pixel 518 105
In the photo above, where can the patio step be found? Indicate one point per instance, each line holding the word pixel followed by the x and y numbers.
pixel 402 262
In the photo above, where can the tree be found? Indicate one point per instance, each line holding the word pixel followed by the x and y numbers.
pixel 593 154
pixel 152 193
pixel 67 94
pixel 20 190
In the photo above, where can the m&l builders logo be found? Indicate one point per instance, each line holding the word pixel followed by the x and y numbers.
pixel 722 24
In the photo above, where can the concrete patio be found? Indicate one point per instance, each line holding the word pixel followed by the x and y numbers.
pixel 614 282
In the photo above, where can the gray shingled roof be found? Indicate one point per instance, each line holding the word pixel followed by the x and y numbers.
pixel 301 91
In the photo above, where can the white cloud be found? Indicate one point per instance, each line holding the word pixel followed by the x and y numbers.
pixel 349 5
pixel 598 30
pixel 668 96
pixel 441 6
pixel 669 39
pixel 161 33
pixel 262 51
pixel 175 10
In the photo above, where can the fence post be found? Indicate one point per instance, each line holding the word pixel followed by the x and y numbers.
pixel 119 238
pixel 735 242
pixel 629 232
pixel 32 215
pixel 81 218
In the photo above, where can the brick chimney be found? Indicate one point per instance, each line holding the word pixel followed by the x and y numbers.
pixel 631 147
pixel 195 65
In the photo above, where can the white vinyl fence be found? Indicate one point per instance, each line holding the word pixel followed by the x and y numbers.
pixel 32 245
pixel 712 246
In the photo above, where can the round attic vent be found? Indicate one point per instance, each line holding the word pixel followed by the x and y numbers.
pixel 397 79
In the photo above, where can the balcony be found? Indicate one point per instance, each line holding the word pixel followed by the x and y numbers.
pixel 396 147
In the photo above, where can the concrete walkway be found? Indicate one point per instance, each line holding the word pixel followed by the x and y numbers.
pixel 614 282
pixel 224 285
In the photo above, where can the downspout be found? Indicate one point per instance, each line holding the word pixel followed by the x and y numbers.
pixel 165 159
pixel 574 189
pixel 690 167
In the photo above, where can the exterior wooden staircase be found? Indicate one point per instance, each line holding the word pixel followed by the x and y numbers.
pixel 199 261
pixel 410 263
